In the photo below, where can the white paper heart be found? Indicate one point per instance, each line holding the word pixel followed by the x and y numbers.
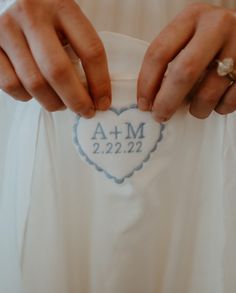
pixel 118 142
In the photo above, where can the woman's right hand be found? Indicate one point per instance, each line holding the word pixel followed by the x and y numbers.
pixel 33 62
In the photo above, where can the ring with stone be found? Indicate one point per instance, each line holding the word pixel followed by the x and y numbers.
pixel 226 68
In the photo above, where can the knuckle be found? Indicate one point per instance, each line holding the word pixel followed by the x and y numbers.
pixel 157 52
pixel 95 52
pixel 13 88
pixel 184 73
pixel 35 82
pixel 57 71
pixel 9 85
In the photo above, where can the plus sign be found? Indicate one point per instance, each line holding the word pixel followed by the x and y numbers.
pixel 116 132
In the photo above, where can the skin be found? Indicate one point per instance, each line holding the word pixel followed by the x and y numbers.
pixel 35 67
pixel 197 36
pixel 35 63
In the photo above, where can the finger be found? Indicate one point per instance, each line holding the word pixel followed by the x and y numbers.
pixel 58 69
pixel 89 48
pixel 185 72
pixel 228 103
pixel 26 68
pixel 161 52
pixel 209 93
pixel 9 82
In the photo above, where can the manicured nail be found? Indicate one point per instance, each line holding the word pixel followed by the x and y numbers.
pixel 144 104
pixel 89 114
pixel 103 103
pixel 158 118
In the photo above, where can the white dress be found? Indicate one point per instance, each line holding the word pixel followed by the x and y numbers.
pixel 167 230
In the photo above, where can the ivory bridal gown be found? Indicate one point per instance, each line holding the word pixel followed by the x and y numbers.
pixel 65 227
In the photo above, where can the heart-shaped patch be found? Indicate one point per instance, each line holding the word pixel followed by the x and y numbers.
pixel 118 142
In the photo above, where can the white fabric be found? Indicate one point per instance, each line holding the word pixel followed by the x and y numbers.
pixel 65 227
pixel 139 18
pixel 5 4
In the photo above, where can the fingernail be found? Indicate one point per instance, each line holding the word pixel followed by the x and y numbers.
pixel 158 118
pixel 89 114
pixel 144 104
pixel 103 103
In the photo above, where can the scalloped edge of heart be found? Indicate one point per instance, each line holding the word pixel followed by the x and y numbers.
pixel 100 169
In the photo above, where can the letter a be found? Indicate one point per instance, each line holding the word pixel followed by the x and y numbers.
pixel 99 132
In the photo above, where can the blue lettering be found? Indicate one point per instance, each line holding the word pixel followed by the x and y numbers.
pixel 135 133
pixel 99 132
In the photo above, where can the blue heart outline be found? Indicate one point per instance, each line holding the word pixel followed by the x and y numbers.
pixel 99 169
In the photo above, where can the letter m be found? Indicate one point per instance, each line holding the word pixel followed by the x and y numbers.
pixel 133 133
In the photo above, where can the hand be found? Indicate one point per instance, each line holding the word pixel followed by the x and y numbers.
pixel 196 37
pixel 33 62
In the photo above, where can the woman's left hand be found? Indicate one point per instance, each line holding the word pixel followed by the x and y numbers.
pixel 193 40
